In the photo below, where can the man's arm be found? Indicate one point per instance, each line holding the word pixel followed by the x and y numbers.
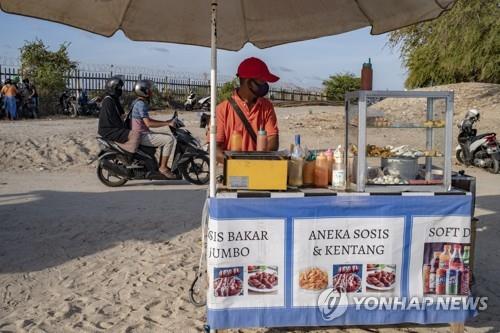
pixel 273 142
pixel 152 123
pixel 220 153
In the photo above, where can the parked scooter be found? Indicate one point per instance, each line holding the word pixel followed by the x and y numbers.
pixel 116 166
pixel 68 103
pixel 204 103
pixel 190 102
pixel 479 150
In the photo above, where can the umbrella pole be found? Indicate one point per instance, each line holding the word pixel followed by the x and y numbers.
pixel 213 99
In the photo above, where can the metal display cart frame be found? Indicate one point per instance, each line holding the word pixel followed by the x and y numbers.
pixel 360 164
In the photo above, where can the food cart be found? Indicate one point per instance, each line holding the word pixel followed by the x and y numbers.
pixel 393 246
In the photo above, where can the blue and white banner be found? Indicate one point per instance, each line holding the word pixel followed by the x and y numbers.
pixel 339 260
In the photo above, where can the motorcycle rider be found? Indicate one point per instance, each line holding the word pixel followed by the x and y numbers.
pixel 142 122
pixel 111 124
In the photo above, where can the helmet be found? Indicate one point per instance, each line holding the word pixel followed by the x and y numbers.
pixel 8 81
pixel 143 88
pixel 114 86
pixel 472 114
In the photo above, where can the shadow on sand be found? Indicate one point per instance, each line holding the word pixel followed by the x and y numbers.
pixel 43 229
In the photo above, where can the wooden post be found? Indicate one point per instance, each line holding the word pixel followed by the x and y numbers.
pixel 457 328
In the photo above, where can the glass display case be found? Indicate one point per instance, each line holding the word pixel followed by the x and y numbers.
pixel 398 141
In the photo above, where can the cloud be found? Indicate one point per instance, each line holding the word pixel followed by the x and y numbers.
pixel 285 69
pixel 160 49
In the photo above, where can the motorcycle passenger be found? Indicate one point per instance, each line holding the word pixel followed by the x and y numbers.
pixel 9 93
pixel 111 124
pixel 142 122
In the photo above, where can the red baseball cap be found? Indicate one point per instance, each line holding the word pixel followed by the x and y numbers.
pixel 254 68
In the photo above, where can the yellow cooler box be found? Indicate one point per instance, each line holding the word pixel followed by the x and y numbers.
pixel 255 170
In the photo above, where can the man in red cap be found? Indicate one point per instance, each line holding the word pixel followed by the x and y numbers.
pixel 258 110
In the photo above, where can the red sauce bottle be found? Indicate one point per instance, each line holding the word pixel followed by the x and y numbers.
pixel 367 76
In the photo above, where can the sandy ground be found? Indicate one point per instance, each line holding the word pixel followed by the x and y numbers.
pixel 76 256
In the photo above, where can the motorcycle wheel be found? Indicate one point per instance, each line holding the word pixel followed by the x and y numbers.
pixel 494 166
pixel 460 156
pixel 197 170
pixel 106 177
pixel 188 107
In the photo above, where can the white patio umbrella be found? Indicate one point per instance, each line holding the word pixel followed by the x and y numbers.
pixel 264 23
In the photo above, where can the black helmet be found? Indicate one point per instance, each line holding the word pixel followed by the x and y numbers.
pixel 8 81
pixel 114 86
pixel 143 88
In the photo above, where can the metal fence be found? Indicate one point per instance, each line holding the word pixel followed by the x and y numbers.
pixel 176 88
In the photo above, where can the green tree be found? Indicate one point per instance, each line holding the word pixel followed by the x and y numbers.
pixel 226 90
pixel 46 69
pixel 463 45
pixel 337 85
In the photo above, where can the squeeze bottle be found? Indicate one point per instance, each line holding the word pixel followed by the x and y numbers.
pixel 367 75
pixel 296 164
pixel 262 140
pixel 338 172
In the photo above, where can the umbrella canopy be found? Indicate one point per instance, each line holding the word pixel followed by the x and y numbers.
pixel 264 23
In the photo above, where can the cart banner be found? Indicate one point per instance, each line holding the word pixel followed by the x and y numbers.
pixel 339 260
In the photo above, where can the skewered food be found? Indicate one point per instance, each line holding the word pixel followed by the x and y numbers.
pixel 227 286
pixel 346 279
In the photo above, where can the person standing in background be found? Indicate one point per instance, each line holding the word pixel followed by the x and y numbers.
pixel 32 93
pixel 9 93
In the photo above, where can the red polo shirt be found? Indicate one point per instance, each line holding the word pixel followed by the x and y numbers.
pixel 261 115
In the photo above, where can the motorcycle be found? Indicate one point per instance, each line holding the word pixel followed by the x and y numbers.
pixel 88 107
pixel 68 104
pixel 115 166
pixel 204 103
pixel 192 102
pixel 478 150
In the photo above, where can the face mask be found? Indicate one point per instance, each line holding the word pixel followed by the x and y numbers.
pixel 261 89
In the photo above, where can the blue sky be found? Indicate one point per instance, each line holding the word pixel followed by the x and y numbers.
pixel 305 64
